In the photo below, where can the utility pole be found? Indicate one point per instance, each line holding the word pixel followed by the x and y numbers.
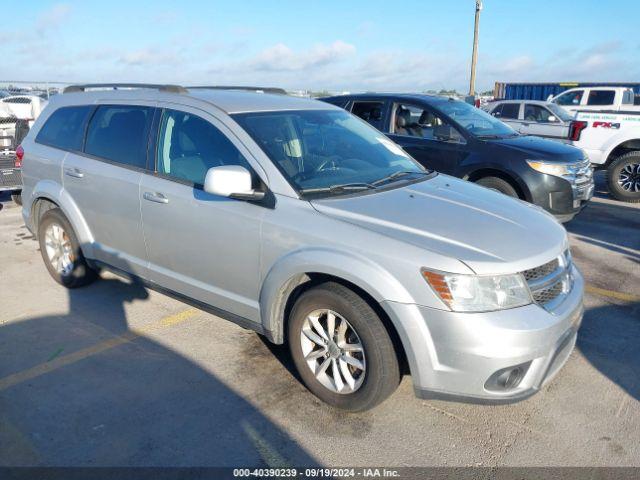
pixel 474 56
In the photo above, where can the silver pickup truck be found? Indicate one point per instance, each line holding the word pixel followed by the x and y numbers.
pixel 533 117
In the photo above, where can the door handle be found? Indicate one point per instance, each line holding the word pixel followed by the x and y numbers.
pixel 73 172
pixel 155 197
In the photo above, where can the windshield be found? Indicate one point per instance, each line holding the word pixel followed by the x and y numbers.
pixel 560 112
pixel 474 120
pixel 327 151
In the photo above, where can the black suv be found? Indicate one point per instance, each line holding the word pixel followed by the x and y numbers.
pixel 456 138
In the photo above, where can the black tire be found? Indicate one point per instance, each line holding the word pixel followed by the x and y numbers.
pixel 629 165
pixel 498 184
pixel 382 372
pixel 17 197
pixel 80 273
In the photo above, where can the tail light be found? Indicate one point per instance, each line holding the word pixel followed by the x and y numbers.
pixel 575 129
pixel 19 156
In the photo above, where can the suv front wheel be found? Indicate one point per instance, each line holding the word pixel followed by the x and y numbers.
pixel 61 251
pixel 341 348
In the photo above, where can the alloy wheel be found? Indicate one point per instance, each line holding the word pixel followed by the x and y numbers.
pixel 629 178
pixel 59 249
pixel 333 351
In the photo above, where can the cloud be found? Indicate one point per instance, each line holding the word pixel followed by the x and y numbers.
pixel 280 57
pixel 150 56
pixel 602 62
pixel 52 18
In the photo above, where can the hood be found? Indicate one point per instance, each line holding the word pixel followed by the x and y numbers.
pixel 486 230
pixel 536 148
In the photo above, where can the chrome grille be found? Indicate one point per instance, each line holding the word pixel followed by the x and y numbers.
pixel 550 283
pixel 541 271
pixel 583 172
pixel 546 295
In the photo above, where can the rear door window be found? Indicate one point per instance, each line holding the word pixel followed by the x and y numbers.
pixel 372 112
pixel 601 97
pixel 120 133
pixel 65 127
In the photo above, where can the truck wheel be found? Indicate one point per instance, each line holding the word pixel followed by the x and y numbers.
pixel 17 197
pixel 61 251
pixel 623 177
pixel 341 348
pixel 498 184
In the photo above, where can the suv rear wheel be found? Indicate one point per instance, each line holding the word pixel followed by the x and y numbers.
pixel 61 251
pixel 623 177
pixel 341 348
pixel 499 185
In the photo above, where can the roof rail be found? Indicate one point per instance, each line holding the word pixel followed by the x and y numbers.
pixel 277 90
pixel 116 86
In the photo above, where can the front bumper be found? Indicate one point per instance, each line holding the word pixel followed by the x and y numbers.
pixel 562 198
pixel 454 355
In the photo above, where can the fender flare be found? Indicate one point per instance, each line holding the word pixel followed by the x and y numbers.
pixel 291 270
pixel 614 142
pixel 54 192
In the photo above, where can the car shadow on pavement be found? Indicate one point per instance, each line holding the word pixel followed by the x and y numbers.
pixel 613 226
pixel 608 339
pixel 68 398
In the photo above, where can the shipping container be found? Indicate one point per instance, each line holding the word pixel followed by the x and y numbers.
pixel 541 91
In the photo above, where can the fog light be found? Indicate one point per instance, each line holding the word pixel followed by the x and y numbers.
pixel 507 378
pixel 510 378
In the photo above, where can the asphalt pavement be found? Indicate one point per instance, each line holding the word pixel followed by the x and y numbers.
pixel 117 375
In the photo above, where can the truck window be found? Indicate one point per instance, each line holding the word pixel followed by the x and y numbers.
pixel 510 110
pixel 369 111
pixel 570 98
pixel 627 97
pixel 536 113
pixel 601 97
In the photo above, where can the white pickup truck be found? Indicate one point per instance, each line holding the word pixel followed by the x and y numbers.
pixel 596 98
pixel 611 139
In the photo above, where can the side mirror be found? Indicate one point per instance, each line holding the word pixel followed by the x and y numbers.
pixel 550 98
pixel 496 114
pixel 231 181
pixel 552 119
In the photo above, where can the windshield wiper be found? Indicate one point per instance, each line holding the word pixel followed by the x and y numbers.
pixel 355 186
pixel 401 173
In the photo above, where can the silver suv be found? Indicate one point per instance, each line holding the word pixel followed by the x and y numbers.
pixel 293 218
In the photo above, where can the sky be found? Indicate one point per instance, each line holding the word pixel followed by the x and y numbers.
pixel 336 45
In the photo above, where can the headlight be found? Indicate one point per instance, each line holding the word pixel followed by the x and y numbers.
pixel 478 293
pixel 553 168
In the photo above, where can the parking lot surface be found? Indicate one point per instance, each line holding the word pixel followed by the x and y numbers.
pixel 117 375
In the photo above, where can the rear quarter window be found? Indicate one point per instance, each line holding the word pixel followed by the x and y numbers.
pixel 120 133
pixel 65 127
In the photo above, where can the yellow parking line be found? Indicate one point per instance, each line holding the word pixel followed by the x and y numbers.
pixel 74 357
pixel 625 297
